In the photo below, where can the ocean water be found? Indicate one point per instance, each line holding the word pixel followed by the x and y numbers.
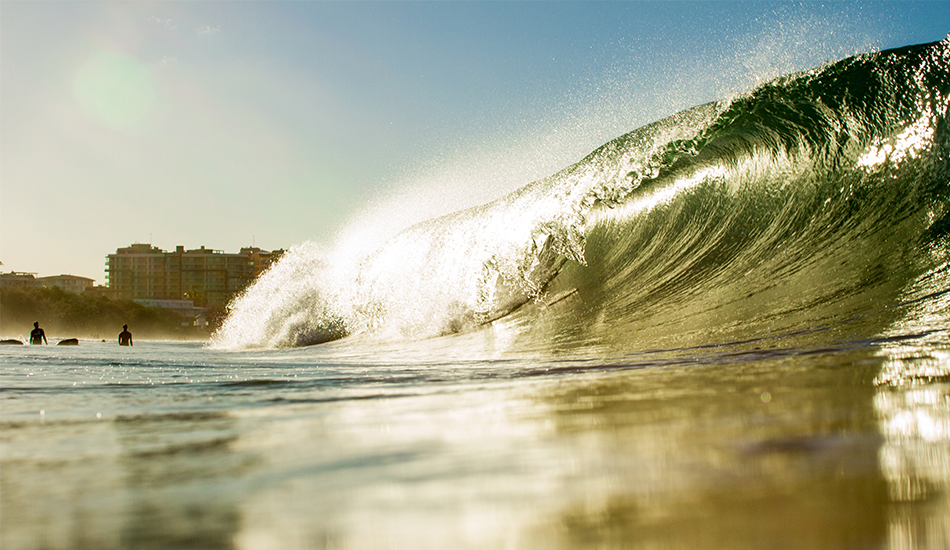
pixel 726 329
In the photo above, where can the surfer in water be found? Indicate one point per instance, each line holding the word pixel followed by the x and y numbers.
pixel 38 335
pixel 125 337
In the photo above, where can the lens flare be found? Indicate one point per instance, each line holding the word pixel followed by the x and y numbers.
pixel 115 90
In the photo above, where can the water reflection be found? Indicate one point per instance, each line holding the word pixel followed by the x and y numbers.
pixel 177 474
pixel 800 447
pixel 696 458
pixel 757 450
pixel 914 405
pixel 142 481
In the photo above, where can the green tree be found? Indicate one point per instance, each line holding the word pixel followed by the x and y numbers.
pixel 66 314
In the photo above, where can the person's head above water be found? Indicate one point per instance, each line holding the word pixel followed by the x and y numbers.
pixel 36 324
pixel 124 327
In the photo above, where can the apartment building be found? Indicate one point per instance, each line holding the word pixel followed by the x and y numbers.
pixel 204 276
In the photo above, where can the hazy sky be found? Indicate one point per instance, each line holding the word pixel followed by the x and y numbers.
pixel 230 123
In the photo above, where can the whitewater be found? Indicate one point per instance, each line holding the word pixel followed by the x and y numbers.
pixel 729 328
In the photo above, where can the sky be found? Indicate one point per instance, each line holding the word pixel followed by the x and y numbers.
pixel 232 124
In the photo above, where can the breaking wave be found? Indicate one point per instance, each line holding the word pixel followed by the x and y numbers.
pixel 818 202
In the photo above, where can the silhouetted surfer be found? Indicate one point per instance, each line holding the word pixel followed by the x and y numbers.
pixel 125 337
pixel 38 335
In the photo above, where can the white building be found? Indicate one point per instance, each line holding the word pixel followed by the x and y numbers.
pixel 69 283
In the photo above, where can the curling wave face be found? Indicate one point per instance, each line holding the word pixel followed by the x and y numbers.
pixel 814 204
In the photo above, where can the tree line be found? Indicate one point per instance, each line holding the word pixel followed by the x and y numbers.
pixel 69 315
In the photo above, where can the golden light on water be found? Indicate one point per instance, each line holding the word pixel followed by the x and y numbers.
pixel 905 145
pixel 115 90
